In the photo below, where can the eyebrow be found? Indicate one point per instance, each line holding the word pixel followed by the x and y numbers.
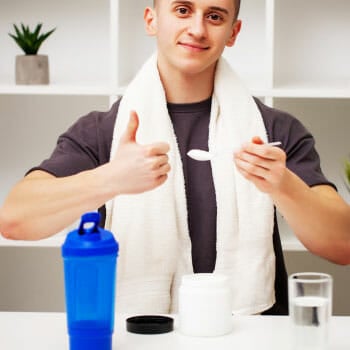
pixel 220 9
pixel 215 8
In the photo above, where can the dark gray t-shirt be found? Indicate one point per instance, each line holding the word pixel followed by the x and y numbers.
pixel 87 145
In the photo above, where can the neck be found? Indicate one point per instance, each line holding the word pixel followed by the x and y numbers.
pixel 187 88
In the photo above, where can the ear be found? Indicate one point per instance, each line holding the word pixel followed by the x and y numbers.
pixel 236 28
pixel 149 17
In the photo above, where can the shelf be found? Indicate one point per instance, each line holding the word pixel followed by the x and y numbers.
pixel 250 44
pixel 78 50
pixel 305 48
pixel 55 241
pixel 328 121
pixel 292 244
pixel 286 55
pixel 44 243
pixel 58 89
pixel 311 89
pixel 289 241
pixel 134 46
pixel 254 84
pixel 30 127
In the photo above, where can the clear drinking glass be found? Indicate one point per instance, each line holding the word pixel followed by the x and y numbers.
pixel 310 309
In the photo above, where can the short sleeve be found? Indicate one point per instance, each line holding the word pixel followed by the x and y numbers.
pixel 84 146
pixel 298 143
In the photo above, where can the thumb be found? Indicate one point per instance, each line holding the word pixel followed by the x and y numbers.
pixel 131 129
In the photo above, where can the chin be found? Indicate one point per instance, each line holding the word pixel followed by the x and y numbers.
pixel 194 65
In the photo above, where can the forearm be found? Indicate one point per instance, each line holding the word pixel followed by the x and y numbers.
pixel 318 216
pixel 41 205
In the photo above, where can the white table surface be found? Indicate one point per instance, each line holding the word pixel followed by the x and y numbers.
pixel 47 331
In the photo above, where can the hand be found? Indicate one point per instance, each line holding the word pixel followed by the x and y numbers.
pixel 138 168
pixel 264 165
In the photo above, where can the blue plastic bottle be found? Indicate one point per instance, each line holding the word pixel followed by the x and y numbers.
pixel 89 256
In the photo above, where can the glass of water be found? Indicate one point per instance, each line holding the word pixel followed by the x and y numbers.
pixel 310 309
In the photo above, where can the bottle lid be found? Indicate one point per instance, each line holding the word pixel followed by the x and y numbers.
pixel 149 324
pixel 90 239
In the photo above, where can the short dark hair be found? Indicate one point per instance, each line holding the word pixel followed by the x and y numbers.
pixel 237 6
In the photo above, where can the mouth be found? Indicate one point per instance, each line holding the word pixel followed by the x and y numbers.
pixel 195 47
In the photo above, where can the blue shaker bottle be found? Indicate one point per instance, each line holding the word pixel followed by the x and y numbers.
pixel 90 256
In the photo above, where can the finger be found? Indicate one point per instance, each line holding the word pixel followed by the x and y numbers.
pixel 160 170
pixel 156 149
pixel 252 169
pixel 164 169
pixel 255 160
pixel 159 161
pixel 263 150
pixel 131 129
pixel 161 179
pixel 250 176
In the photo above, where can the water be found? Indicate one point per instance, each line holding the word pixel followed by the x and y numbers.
pixel 310 322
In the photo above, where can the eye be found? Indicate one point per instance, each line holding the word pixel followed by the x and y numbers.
pixel 215 17
pixel 182 11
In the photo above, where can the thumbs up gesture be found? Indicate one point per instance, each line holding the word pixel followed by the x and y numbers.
pixel 138 168
pixel 131 129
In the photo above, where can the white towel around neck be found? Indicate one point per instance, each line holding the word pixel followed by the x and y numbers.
pixel 152 228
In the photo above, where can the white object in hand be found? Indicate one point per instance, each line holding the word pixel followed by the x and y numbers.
pixel 199 154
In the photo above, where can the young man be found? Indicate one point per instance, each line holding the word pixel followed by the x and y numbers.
pixel 173 215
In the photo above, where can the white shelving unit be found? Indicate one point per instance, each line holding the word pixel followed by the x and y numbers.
pixel 293 54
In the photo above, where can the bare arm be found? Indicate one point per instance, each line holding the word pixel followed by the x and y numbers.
pixel 318 216
pixel 41 205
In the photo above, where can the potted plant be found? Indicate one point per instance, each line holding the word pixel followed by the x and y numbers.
pixel 347 173
pixel 31 68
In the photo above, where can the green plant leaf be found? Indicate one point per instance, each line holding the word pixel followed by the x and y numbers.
pixel 29 41
pixel 17 31
pixel 347 170
pixel 37 30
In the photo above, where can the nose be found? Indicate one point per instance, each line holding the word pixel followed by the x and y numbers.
pixel 197 26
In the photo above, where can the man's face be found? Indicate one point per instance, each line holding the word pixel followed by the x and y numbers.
pixel 191 35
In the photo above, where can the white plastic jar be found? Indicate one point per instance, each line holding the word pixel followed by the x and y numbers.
pixel 205 305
